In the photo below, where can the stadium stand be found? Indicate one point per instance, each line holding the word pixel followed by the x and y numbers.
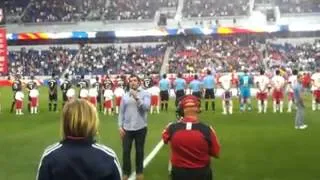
pixel 117 60
pixel 298 6
pixel 40 62
pixel 208 8
pixel 14 9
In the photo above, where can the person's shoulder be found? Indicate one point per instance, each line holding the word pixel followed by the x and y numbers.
pixel 49 150
pixel 107 151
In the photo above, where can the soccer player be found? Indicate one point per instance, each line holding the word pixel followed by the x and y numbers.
pixel 164 92
pixel 99 89
pixel 108 100
pixel 71 94
pixel 316 90
pixel 34 95
pixel 209 94
pixel 30 86
pixel 147 81
pixel 65 86
pixel 83 84
pixel 245 83
pixel 196 87
pixel 53 93
pixel 119 92
pixel 179 86
pixel 19 96
pixel 16 86
pixel 291 83
pixel 262 84
pixel 93 94
pixel 277 95
pixel 226 84
pixel 155 98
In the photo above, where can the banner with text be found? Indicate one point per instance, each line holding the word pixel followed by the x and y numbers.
pixel 3 52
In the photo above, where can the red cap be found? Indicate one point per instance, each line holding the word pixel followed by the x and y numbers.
pixel 189 101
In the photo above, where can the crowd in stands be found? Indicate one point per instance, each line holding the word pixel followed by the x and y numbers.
pixel 118 60
pixel 209 8
pixel 15 7
pixel 298 6
pixel 40 62
pixel 304 56
pixel 222 55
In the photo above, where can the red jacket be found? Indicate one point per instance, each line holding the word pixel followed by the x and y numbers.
pixel 192 143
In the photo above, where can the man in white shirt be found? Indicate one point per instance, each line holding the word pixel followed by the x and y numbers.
pixel 315 79
pixel 155 97
pixel 108 98
pixel 34 94
pixel 262 83
pixel 226 84
pixel 277 94
pixel 19 96
pixel 292 81
pixel 84 93
pixel 118 93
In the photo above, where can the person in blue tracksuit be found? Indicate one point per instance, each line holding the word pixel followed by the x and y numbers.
pixel 245 84
pixel 196 87
pixel 179 87
pixel 78 156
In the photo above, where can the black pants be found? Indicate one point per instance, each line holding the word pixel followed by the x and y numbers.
pixel 139 138
pixel 191 174
pixel 179 95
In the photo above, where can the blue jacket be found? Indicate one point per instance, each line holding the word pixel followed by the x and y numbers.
pixel 79 159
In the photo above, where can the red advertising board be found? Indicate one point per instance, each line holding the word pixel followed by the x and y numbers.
pixel 3 52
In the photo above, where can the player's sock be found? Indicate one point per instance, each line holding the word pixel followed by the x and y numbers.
pixel 117 110
pixel 105 111
pixel 36 110
pixel 206 105
pixel 12 106
pixel 166 106
pixel 241 107
pixel 265 106
pixel 162 105
pixel 31 110
pixel 29 107
pixel 213 106
pixel 158 109
pixel 151 109
pixel 290 106
pixel 259 106
pixel 314 105
pixel 281 106
pixel 224 107
pixel 50 106
pixel 274 106
pixel 230 107
pixel 55 107
pixel 110 111
pixel 17 111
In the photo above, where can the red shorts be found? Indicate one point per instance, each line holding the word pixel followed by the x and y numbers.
pixel 107 104
pixel 34 102
pixel 262 96
pixel 316 95
pixel 18 104
pixel 277 95
pixel 118 101
pixel 93 100
pixel 154 100
pixel 290 96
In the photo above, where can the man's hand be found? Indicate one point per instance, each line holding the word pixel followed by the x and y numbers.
pixel 134 94
pixel 122 132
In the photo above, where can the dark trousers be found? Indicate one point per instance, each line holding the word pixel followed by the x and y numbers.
pixel 191 174
pixel 139 138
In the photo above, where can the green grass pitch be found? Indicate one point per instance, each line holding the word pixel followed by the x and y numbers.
pixel 254 146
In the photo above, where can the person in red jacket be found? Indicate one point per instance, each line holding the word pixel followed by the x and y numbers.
pixel 192 143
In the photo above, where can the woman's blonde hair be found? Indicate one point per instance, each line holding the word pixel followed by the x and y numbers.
pixel 79 119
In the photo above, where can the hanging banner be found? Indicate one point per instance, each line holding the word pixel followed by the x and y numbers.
pixel 3 52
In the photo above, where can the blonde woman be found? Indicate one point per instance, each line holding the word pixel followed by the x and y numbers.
pixel 78 156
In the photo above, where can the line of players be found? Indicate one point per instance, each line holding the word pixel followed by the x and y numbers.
pixel 106 94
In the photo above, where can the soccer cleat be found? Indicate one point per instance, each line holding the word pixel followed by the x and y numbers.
pixel 224 113
pixel 297 127
pixel 303 126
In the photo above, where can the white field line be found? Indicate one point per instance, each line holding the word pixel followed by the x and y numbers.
pixel 148 159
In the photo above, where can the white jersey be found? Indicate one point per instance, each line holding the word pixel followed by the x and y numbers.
pixel 34 93
pixel 108 94
pixel 293 80
pixel 278 82
pixel 93 92
pixel 316 81
pixel 263 82
pixel 119 92
pixel 84 93
pixel 19 96
pixel 226 81
pixel 71 93
pixel 154 91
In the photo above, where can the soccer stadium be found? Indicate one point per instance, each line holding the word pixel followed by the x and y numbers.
pixel 238 81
